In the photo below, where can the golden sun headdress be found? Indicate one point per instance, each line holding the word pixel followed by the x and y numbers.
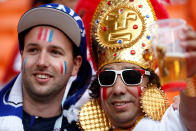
pixel 119 33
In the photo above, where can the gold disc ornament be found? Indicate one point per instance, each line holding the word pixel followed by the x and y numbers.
pixel 154 102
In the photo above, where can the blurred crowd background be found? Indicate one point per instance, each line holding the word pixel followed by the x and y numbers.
pixel 11 11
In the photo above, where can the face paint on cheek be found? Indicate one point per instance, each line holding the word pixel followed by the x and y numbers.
pixel 103 92
pixel 24 64
pixel 63 68
pixel 45 35
pixel 139 89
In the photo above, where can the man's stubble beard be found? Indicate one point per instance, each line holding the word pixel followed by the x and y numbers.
pixel 52 90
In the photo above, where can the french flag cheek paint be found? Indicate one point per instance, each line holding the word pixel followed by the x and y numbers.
pixel 45 35
pixel 63 68
pixel 103 92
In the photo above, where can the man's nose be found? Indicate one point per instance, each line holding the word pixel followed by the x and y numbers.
pixel 119 86
pixel 42 59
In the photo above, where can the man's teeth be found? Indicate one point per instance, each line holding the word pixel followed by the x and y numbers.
pixel 43 76
pixel 119 104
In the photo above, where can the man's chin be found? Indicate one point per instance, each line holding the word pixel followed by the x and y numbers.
pixel 42 96
pixel 123 125
pixel 123 121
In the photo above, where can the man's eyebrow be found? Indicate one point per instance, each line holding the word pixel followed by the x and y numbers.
pixel 31 44
pixel 52 46
pixel 132 67
pixel 57 47
pixel 128 67
pixel 107 68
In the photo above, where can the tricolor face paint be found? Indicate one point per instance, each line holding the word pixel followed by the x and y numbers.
pixel 64 68
pixel 45 34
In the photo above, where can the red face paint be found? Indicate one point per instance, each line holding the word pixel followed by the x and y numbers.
pixel 103 93
pixel 61 68
pixel 40 34
pixel 139 91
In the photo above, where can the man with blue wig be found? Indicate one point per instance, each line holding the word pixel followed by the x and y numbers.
pixel 52 44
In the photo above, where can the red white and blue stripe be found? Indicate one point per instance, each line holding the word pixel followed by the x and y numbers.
pixel 45 34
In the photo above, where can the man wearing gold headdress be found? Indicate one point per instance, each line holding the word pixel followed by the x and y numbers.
pixel 126 91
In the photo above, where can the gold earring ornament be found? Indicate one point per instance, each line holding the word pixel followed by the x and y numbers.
pixel 153 102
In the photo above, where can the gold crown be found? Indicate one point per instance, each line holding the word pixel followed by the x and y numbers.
pixel 119 32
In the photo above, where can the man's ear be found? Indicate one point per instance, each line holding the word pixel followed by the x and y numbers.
pixel 77 63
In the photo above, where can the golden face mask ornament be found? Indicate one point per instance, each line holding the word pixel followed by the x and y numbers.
pixel 119 33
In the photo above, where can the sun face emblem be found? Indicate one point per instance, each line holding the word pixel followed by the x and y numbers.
pixel 125 25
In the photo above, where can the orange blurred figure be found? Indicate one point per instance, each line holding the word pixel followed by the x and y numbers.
pixel 182 9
